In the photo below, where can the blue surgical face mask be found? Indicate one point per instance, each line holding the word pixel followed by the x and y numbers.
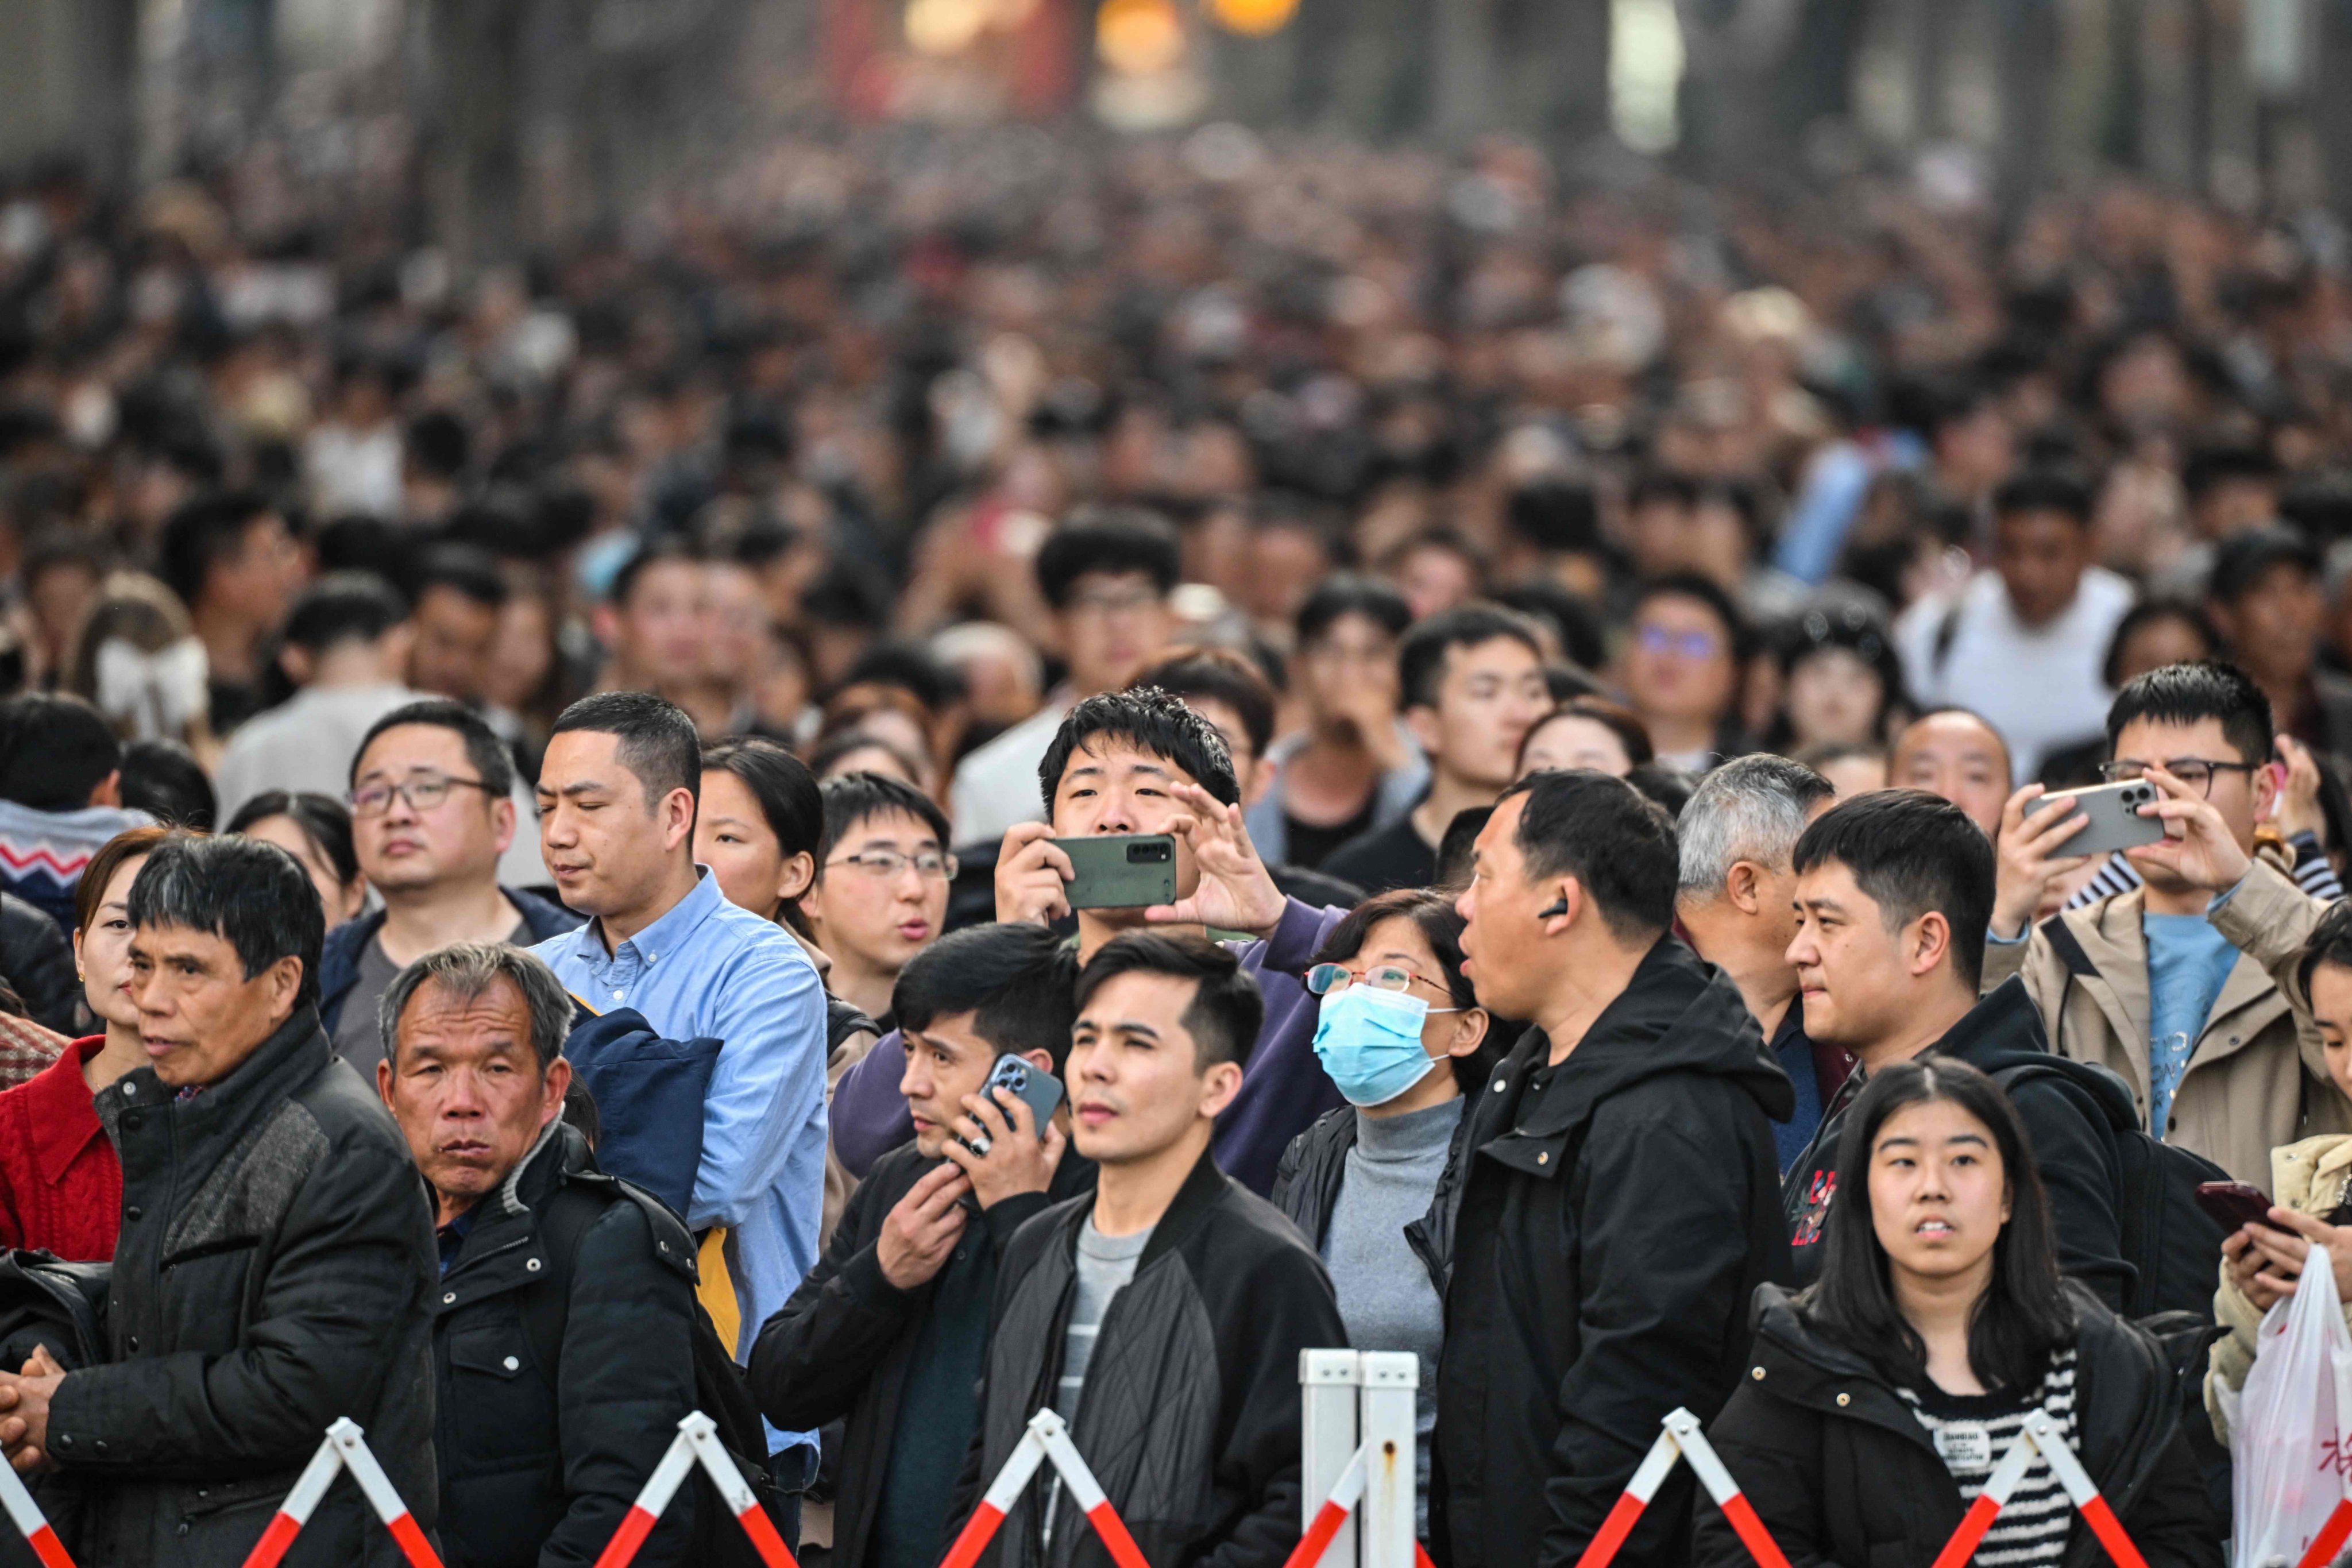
pixel 1370 1042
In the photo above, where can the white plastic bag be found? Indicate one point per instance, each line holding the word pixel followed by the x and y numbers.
pixel 2295 1416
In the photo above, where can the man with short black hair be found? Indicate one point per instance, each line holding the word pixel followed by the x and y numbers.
pixel 235 564
pixel 1106 575
pixel 346 650
pixel 563 1330
pixel 889 1331
pixel 1473 681
pixel 880 893
pixel 1186 1396
pixel 2182 987
pixel 60 797
pixel 1894 892
pixel 457 593
pixel 655 625
pixel 431 793
pixel 2025 641
pixel 1617 1198
pixel 1140 762
pixel 617 793
pixel 2265 600
pixel 1735 836
pixel 275 1255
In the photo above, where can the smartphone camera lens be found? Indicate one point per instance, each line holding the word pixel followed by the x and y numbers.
pixel 1147 854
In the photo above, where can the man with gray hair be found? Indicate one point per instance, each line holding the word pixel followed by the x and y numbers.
pixel 563 1323
pixel 1736 900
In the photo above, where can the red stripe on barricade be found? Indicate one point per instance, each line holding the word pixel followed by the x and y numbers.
pixel 764 1539
pixel 973 1538
pixel 2110 1531
pixel 50 1549
pixel 636 1525
pixel 1317 1539
pixel 1752 1533
pixel 1113 1530
pixel 419 1550
pixel 271 1547
pixel 1612 1531
pixel 1421 1556
pixel 1973 1525
pixel 2330 1539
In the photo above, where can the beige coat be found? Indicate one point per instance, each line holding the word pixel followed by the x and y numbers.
pixel 2309 1177
pixel 2257 1076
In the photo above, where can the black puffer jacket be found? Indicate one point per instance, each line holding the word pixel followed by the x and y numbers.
pixel 1189 1417
pixel 1610 1231
pixel 843 1344
pixel 540 1464
pixel 1306 1189
pixel 37 963
pixel 1842 1472
pixel 276 1255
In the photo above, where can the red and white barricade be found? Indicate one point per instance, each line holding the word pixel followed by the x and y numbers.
pixel 2330 1539
pixel 1358 1460
pixel 1682 1440
pixel 30 1522
pixel 2041 1437
pixel 696 1443
pixel 1046 1441
pixel 345 1448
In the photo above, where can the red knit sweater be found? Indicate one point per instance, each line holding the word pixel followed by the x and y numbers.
pixel 60 1181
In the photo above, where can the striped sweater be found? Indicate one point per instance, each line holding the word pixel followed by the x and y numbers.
pixel 2312 874
pixel 1973 1432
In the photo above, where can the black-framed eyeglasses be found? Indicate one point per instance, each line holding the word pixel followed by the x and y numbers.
pixel 2197 772
pixel 422 792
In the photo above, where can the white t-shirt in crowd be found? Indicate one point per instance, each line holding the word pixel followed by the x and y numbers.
pixel 2039 686
pixel 996 786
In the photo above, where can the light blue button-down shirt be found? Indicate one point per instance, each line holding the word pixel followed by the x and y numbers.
pixel 707 968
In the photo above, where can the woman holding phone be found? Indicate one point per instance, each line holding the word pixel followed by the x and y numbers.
pixel 2310 1183
pixel 1878 1402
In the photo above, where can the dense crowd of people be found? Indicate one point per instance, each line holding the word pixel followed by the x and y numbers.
pixel 548 828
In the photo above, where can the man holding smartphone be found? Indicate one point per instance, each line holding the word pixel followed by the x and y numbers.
pixel 1140 762
pixel 894 1318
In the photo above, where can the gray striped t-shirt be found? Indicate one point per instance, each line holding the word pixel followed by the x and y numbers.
pixel 1973 1432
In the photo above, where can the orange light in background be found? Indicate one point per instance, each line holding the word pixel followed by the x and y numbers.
pixel 1254 18
pixel 1140 38
pixel 946 26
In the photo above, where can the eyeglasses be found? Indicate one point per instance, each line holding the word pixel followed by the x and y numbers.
pixel 1111 601
pixel 1325 978
pixel 930 865
pixel 1690 645
pixel 2197 772
pixel 422 792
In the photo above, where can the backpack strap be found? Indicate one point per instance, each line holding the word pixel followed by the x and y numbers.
pixel 2068 947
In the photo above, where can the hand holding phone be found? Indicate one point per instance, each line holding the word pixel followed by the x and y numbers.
pixel 1120 871
pixel 1005 1141
pixel 2234 1206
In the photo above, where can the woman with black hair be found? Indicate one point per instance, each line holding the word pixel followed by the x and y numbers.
pixel 1399 1031
pixel 316 829
pixel 757 824
pixel 1878 1402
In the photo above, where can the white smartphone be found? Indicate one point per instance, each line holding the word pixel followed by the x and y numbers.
pixel 2116 821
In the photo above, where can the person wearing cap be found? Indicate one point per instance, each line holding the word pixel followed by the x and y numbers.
pixel 2265 599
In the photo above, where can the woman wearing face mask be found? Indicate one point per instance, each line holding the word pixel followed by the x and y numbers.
pixel 1400 1032
pixel 1877 1403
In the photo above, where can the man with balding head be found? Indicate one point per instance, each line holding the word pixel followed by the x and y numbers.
pixel 1957 754
pixel 562 1332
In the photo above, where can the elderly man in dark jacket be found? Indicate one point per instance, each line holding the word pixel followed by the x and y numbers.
pixel 1618 1199
pixel 275 1254
pixel 562 1330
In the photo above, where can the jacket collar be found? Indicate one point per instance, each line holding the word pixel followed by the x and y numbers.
pixel 60 1109
pixel 2115 941
pixel 1202 1188
pixel 671 929
pixel 296 1052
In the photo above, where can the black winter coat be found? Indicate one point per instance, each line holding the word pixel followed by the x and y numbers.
pixel 272 1275
pixel 1842 1472
pixel 1306 1189
pixel 2071 1113
pixel 1610 1236
pixel 842 1346
pixel 1190 1417
pixel 37 963
pixel 540 1464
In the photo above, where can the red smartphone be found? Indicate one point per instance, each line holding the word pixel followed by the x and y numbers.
pixel 2234 1203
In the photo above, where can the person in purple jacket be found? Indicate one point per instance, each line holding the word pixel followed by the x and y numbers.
pixel 1141 761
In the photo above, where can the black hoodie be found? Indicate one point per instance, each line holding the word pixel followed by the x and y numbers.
pixel 1615 1215
pixel 2071 1111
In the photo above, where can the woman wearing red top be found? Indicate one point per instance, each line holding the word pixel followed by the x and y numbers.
pixel 60 1181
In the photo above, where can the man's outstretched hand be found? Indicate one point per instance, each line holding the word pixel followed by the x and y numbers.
pixel 2199 848
pixel 1235 892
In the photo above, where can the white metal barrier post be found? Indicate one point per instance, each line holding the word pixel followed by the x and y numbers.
pixel 1358 1460
pixel 1391 1399
pixel 1330 1395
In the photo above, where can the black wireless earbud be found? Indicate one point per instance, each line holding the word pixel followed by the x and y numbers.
pixel 1557 907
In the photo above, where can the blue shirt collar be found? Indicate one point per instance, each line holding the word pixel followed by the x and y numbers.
pixel 668 933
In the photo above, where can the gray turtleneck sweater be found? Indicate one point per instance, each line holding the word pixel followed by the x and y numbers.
pixel 1385 1295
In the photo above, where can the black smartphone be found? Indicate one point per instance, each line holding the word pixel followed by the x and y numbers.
pixel 1028 1082
pixel 1120 870
pixel 2234 1203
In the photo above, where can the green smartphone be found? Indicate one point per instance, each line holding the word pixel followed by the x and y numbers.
pixel 1120 870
